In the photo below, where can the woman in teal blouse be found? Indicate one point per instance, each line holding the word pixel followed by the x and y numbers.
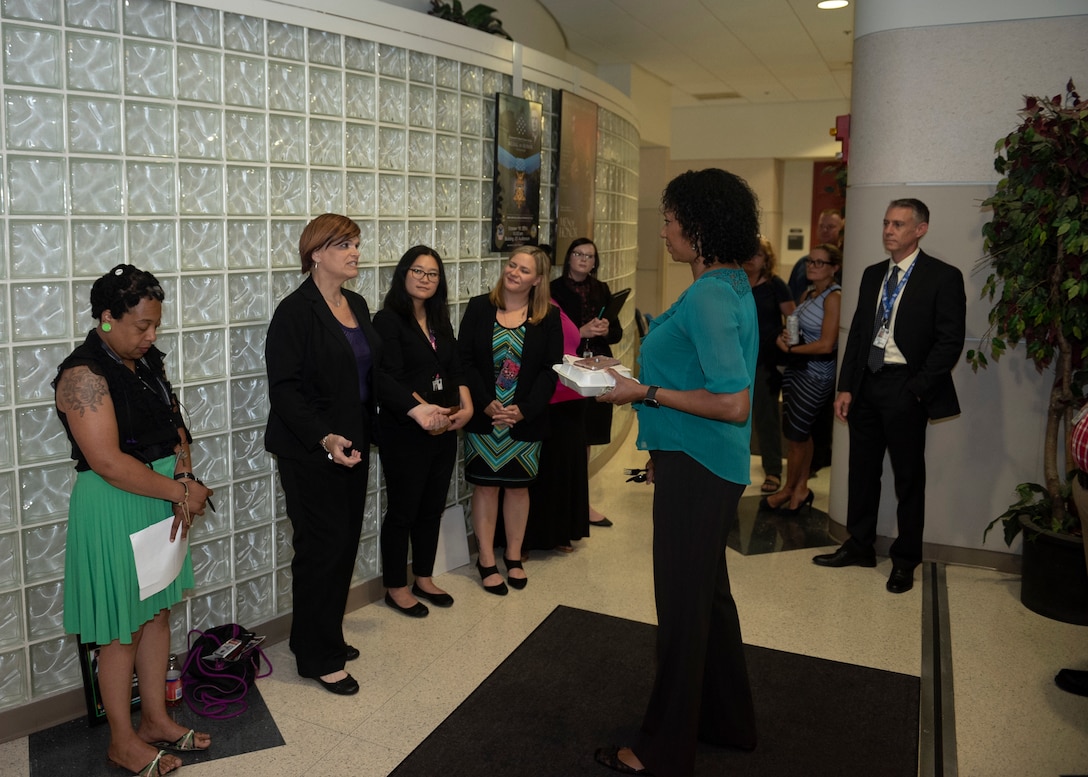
pixel 697 366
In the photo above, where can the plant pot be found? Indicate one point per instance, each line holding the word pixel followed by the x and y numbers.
pixel 1054 579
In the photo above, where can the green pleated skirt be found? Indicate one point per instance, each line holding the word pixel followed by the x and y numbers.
pixel 101 591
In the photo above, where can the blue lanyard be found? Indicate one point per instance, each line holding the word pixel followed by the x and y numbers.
pixel 889 302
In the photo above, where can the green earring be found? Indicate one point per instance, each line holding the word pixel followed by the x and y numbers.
pixel 106 326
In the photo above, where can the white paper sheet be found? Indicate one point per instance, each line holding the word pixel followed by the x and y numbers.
pixel 158 561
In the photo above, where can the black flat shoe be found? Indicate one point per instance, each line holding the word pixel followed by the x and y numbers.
pixel 351 652
pixel 345 686
pixel 1073 681
pixel 515 582
pixel 610 757
pixel 417 610
pixel 438 600
pixel 603 523
pixel 499 589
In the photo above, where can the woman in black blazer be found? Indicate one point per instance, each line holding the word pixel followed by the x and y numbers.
pixel 320 353
pixel 583 297
pixel 421 386
pixel 508 341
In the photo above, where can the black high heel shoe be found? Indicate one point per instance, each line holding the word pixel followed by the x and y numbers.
pixel 499 589
pixel 806 502
pixel 515 582
pixel 765 505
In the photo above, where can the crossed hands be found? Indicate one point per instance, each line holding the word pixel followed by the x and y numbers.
pixel 503 417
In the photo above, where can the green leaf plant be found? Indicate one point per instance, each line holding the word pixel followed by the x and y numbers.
pixel 479 16
pixel 1036 248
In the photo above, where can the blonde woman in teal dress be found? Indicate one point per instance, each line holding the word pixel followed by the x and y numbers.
pixel 508 341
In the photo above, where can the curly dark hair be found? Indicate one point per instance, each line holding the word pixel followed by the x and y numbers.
pixel 718 213
pixel 121 289
pixel 398 300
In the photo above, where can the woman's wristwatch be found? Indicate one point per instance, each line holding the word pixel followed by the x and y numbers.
pixel 650 399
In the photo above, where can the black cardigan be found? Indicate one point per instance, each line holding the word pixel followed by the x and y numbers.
pixel 313 381
pixel 543 347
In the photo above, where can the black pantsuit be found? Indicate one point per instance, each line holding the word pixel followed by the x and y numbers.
pixel 314 390
pixel 701 689
pixel 319 496
pixel 417 468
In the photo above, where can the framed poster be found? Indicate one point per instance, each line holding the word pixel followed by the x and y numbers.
pixel 516 206
pixel 576 197
pixel 88 665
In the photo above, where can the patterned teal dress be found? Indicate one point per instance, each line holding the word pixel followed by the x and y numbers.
pixel 497 459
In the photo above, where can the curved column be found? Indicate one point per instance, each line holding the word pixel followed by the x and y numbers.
pixel 935 86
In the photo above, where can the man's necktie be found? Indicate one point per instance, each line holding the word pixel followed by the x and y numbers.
pixel 876 352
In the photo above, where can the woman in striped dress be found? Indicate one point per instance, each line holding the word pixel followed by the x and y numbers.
pixel 508 341
pixel 810 375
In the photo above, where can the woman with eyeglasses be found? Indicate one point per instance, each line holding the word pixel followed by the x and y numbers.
pixel 508 341
pixel 584 298
pixel 809 380
pixel 424 400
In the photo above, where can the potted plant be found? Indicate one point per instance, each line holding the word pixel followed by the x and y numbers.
pixel 479 16
pixel 1037 250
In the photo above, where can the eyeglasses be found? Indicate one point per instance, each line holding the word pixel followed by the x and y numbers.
pixel 817 263
pixel 420 273
pixel 580 255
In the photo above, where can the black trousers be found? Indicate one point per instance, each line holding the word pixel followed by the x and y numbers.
pixel 701 690
pixel 325 502
pixel 886 417
pixel 417 467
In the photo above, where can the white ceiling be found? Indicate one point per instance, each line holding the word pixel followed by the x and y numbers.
pixel 758 51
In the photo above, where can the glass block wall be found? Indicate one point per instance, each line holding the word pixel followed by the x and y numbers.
pixel 196 143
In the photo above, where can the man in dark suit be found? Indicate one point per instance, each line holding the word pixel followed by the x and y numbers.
pixel 896 375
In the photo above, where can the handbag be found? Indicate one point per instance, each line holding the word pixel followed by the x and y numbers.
pixel 222 665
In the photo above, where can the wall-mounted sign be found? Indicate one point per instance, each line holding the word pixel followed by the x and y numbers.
pixel 516 215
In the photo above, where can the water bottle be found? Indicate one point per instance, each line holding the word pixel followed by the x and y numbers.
pixel 793 330
pixel 173 682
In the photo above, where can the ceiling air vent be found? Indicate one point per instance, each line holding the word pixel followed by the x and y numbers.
pixel 717 96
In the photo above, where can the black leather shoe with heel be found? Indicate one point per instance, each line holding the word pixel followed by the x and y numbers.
pixel 499 589
pixel 515 582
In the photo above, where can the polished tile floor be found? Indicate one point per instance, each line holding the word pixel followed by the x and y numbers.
pixel 1009 717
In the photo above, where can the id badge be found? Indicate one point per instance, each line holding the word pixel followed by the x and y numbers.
pixel 882 335
pixel 436 384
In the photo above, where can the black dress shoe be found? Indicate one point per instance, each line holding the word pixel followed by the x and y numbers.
pixel 610 757
pixel 901 580
pixel 1073 680
pixel 846 556
pixel 345 686
pixel 603 523
pixel 417 610
pixel 351 652
pixel 438 600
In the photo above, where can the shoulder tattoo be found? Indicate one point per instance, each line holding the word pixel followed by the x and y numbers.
pixel 81 390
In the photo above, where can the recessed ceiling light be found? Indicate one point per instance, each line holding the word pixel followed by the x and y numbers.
pixel 829 5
